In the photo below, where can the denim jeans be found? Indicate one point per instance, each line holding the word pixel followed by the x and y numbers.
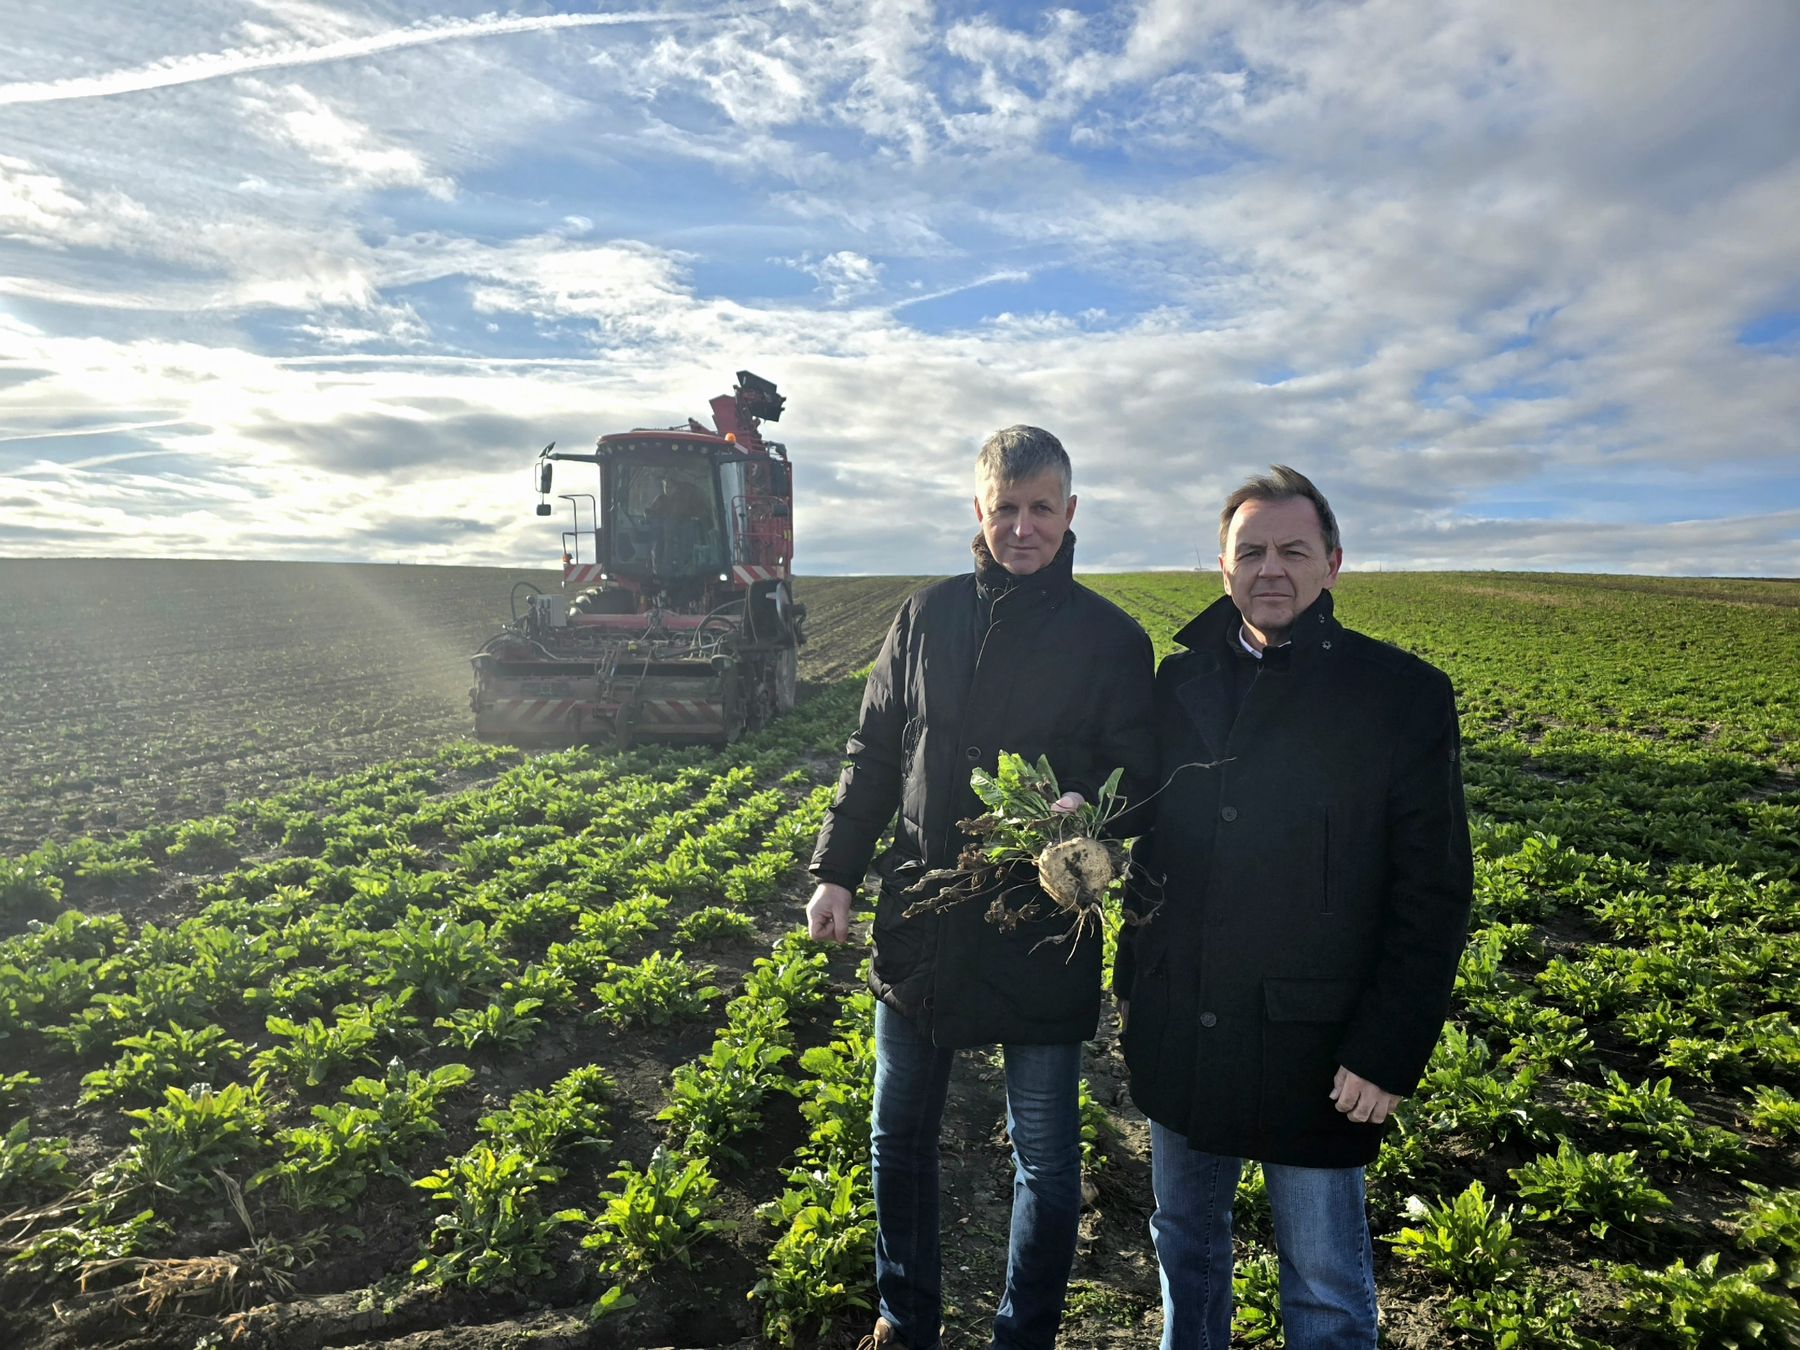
pixel 1321 1238
pixel 1043 1084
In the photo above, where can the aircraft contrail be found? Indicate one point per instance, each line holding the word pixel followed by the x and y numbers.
pixel 217 65
pixel 7 435
pixel 991 279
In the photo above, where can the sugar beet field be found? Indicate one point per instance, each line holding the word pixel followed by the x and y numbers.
pixel 322 1027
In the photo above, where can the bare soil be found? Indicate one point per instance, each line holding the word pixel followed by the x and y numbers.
pixel 141 691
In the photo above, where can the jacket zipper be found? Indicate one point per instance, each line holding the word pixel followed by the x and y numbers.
pixel 975 675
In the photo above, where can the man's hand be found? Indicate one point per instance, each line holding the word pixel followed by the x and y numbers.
pixel 1360 1099
pixel 1068 803
pixel 828 914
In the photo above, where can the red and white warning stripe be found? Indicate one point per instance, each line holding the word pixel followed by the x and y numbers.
pixel 581 574
pixel 748 572
pixel 534 711
pixel 679 710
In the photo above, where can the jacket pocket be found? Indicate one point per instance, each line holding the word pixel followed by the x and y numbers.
pixel 1044 970
pixel 1310 1000
pixel 899 866
pixel 1303 1028
pixel 1327 877
pixel 900 942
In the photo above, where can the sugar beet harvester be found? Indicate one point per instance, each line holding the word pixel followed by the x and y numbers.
pixel 683 625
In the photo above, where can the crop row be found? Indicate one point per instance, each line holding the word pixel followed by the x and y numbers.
pixel 396 927
pixel 422 970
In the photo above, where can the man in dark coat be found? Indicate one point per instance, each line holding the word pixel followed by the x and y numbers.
pixel 1310 868
pixel 1018 657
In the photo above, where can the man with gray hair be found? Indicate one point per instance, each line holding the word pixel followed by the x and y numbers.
pixel 1016 656
pixel 1309 864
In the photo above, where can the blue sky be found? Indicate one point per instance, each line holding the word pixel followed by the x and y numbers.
pixel 1518 285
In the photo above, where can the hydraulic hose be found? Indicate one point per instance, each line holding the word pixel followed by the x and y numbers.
pixel 513 599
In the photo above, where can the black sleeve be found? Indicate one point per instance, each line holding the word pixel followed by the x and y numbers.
pixel 1430 890
pixel 1135 741
pixel 1122 729
pixel 1127 734
pixel 1138 902
pixel 868 791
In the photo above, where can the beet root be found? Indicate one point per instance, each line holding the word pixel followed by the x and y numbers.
pixel 1076 873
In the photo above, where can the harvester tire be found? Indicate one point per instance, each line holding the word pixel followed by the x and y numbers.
pixel 777 680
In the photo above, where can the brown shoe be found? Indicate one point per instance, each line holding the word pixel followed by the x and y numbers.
pixel 882 1335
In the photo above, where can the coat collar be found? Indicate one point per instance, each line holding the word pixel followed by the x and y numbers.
pixel 1206 694
pixel 1217 624
pixel 1051 581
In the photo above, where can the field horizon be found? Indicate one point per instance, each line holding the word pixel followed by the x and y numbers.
pixel 1350 568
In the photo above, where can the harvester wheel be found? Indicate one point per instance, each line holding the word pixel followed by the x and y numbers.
pixel 774 690
pixel 737 721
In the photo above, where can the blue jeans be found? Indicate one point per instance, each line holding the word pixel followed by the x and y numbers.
pixel 1043 1086
pixel 1321 1238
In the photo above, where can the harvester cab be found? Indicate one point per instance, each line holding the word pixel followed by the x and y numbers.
pixel 676 619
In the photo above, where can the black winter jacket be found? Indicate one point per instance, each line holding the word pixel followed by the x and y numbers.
pixel 1314 888
pixel 977 664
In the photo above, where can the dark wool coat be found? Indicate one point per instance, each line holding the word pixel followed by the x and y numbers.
pixel 1314 888
pixel 974 665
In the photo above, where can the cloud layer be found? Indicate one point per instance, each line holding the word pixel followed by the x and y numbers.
pixel 1518 285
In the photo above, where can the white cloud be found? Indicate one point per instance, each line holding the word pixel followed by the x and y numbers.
pixel 1752 545
pixel 630 290
pixel 1476 266
pixel 395 325
pixel 33 202
pixel 326 136
pixel 40 206
pixel 747 69
pixel 843 276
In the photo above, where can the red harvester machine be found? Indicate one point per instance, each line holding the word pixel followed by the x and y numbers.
pixel 683 625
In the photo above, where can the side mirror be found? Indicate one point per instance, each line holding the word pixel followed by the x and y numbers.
pixel 544 479
pixel 543 508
